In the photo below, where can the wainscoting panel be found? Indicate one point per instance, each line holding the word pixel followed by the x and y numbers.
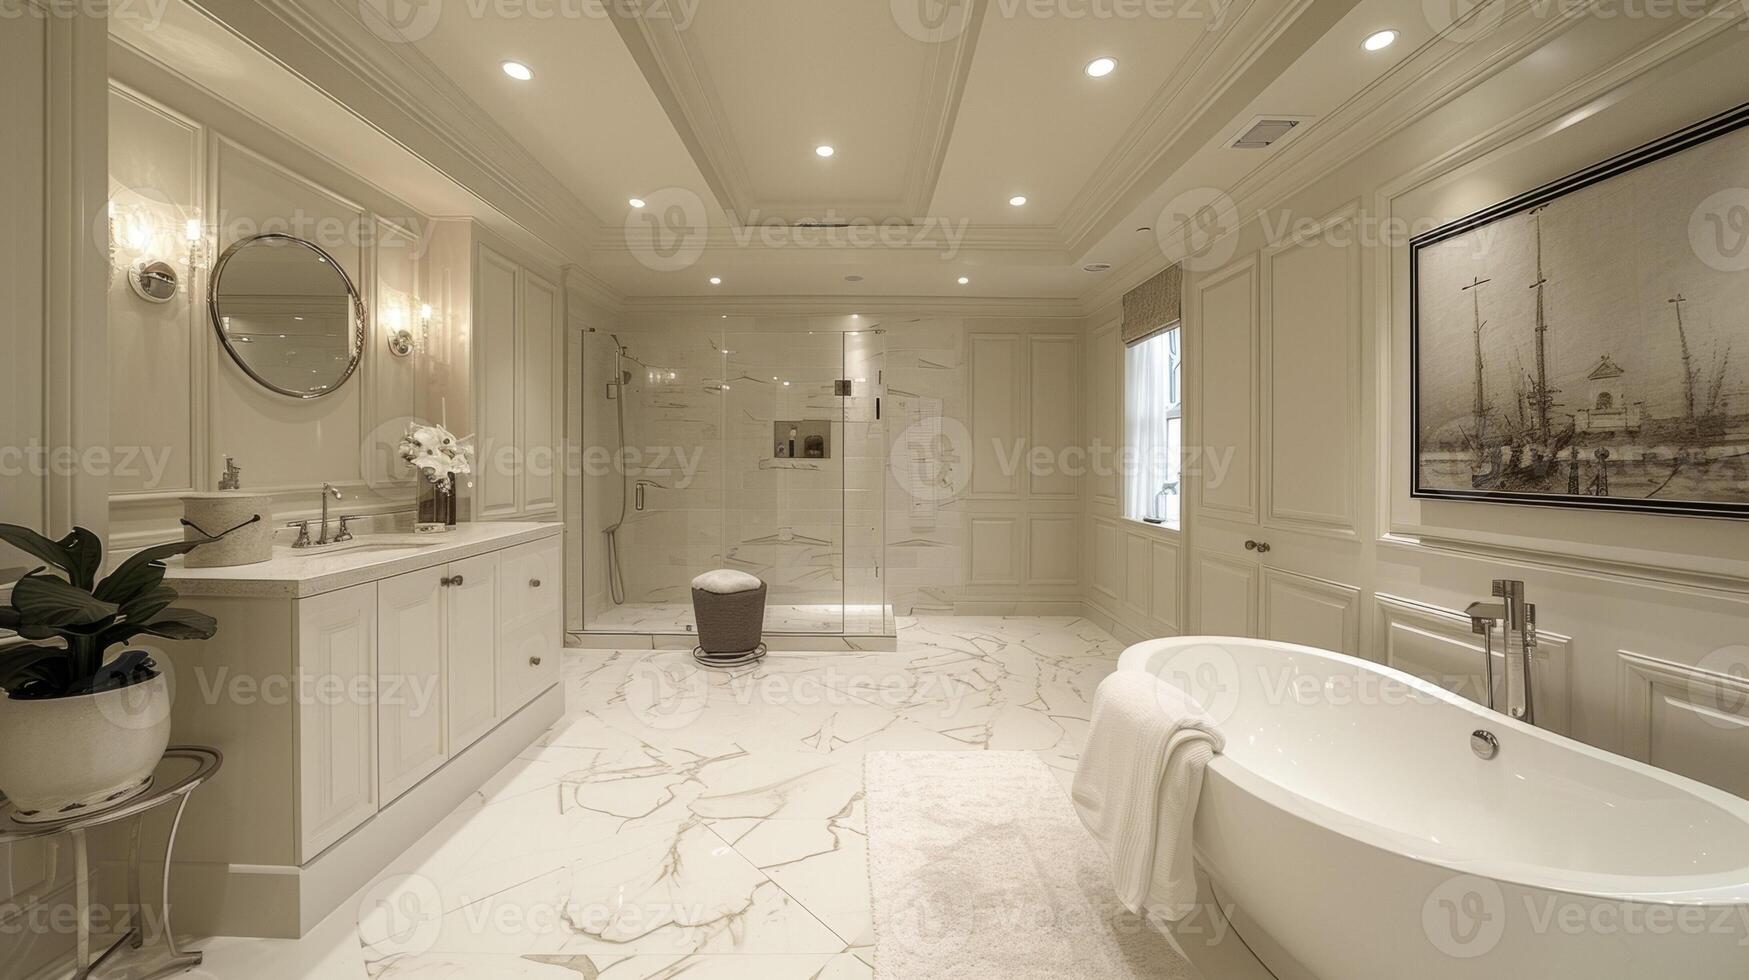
pixel 1105 409
pixel 1106 559
pixel 1311 611
pixel 1226 595
pixel 997 411
pixel 1227 389
pixel 1436 644
pixel 1166 583
pixel 1054 399
pixel 1685 719
pixel 1053 549
pixel 996 556
pixel 1138 575
pixel 1311 368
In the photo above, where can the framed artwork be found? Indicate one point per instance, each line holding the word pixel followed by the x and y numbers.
pixel 1587 344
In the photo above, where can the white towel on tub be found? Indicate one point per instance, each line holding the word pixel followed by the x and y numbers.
pixel 1137 787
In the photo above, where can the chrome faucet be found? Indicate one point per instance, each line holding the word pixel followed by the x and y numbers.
pixel 1514 616
pixel 328 490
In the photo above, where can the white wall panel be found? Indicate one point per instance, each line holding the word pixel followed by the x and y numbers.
pixel 1053 549
pixel 1686 719
pixel 997 556
pixel 1226 595
pixel 1227 392
pixel 1053 404
pixel 1311 611
pixel 1437 645
pixel 1310 383
pixel 997 413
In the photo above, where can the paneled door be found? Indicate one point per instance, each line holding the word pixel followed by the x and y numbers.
pixel 1277 461
pixel 471 645
pixel 337 669
pixel 412 739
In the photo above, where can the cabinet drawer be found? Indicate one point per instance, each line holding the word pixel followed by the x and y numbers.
pixel 528 581
pixel 528 662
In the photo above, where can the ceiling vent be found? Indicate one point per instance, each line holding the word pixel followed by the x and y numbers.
pixel 1265 131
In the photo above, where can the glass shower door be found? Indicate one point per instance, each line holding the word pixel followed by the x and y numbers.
pixel 784 485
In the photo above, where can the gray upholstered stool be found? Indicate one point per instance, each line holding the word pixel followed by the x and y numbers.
pixel 730 608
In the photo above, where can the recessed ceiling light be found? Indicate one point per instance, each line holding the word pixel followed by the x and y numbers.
pixel 856 316
pixel 636 202
pixel 964 280
pixel 1017 200
pixel 824 150
pixel 518 70
pixel 1380 41
pixel 716 280
pixel 1101 67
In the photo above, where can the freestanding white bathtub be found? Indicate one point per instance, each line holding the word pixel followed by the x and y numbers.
pixel 1350 820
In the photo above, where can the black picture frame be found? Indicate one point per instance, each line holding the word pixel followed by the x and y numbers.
pixel 1692 136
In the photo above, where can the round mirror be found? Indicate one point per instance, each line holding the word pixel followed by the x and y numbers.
pixel 288 315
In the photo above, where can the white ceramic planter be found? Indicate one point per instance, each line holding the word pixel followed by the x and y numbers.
pixel 71 754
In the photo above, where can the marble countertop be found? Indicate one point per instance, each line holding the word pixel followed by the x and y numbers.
pixel 296 573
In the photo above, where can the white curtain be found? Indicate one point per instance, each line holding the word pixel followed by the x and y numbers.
pixel 1151 425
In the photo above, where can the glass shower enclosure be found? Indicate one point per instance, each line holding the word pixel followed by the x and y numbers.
pixel 752 445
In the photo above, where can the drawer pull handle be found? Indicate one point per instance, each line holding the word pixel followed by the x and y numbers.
pixel 1258 546
pixel 534 661
pixel 446 582
pixel 534 583
pixel 456 581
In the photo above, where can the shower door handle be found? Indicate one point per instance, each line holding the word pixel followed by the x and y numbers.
pixel 638 497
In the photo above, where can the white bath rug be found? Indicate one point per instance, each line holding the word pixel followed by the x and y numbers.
pixel 979 869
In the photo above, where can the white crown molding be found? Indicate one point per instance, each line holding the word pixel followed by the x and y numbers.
pixel 1432 76
pixel 592 290
pixel 1215 65
pixel 395 89
pixel 676 72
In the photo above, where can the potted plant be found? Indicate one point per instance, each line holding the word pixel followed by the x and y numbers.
pixel 80 729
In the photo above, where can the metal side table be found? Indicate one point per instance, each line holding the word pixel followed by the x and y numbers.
pixel 183 769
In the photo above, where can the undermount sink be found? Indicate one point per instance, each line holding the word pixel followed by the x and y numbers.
pixel 362 547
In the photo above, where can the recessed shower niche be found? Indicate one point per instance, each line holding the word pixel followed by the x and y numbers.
pixel 758 448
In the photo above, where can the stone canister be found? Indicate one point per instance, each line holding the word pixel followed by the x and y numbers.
pixel 216 514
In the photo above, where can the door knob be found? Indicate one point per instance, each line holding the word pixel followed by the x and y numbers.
pixel 534 583
pixel 1260 547
pixel 534 661
pixel 446 581
pixel 458 579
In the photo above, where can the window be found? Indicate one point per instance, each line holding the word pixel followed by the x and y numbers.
pixel 1153 428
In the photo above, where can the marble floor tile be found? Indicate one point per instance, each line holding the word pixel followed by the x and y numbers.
pixel 684 822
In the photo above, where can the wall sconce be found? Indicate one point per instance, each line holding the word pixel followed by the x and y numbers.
pixel 155 280
pixel 403 341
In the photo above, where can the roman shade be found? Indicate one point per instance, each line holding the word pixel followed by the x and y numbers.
pixel 1153 306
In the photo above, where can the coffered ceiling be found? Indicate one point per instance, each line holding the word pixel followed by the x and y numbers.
pixel 939 112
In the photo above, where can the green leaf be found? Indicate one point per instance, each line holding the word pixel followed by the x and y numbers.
pixel 9 618
pixel 56 553
pixel 171 624
pixel 144 606
pixel 42 600
pixel 86 551
pixel 20 665
pixel 142 572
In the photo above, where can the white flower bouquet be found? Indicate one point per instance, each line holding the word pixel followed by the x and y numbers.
pixel 436 452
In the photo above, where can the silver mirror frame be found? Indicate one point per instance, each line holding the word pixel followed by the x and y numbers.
pixel 361 333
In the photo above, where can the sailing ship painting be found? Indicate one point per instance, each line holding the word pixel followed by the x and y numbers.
pixel 1586 344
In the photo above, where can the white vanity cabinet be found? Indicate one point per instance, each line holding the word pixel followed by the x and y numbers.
pixel 359 695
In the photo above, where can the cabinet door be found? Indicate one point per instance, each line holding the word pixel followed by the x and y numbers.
pixel 337 647
pixel 537 434
pixel 412 739
pixel 531 632
pixel 496 404
pixel 471 649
